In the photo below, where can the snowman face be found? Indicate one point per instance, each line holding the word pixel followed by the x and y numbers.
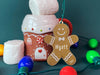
pixel 61 30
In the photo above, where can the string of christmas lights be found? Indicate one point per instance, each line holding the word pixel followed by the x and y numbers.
pixel 92 57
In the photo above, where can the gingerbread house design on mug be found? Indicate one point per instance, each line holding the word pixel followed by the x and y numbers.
pixel 35 28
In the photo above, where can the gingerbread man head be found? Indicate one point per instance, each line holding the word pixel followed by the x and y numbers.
pixel 61 30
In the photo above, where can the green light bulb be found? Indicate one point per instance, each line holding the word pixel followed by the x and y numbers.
pixel 93 43
pixel 90 55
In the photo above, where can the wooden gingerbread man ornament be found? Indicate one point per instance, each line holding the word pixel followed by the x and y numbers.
pixel 61 42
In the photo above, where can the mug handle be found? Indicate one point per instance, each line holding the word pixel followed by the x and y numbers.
pixel 68 23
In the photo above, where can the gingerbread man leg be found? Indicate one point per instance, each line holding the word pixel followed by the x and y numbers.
pixel 69 58
pixel 54 58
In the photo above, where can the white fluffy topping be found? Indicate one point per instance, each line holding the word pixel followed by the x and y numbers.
pixel 43 7
pixel 39 24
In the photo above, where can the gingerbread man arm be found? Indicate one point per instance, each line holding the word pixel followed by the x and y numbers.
pixel 49 39
pixel 73 39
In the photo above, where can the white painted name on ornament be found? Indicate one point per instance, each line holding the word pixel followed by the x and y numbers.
pixel 61 47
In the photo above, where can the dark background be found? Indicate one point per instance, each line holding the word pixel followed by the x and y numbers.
pixel 84 15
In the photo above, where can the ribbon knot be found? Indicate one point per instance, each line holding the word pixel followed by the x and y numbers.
pixel 61 39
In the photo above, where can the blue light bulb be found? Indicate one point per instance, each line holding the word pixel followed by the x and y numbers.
pixel 75 45
pixel 25 65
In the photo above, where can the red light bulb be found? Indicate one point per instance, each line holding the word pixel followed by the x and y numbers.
pixel 68 71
